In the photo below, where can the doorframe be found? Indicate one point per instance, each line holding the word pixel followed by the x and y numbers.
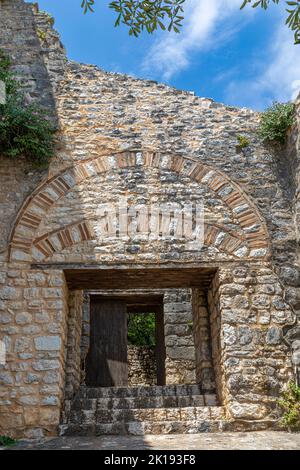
pixel 144 303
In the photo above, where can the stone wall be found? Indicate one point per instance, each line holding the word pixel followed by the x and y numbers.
pixel 20 25
pixel 180 349
pixel 213 301
pixel 141 366
pixel 255 359
pixel 33 309
pixel 205 374
pixel 120 136
pixel 293 153
pixel 75 333
pixel 39 65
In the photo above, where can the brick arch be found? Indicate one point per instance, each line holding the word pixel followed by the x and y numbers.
pixel 46 194
pixel 56 241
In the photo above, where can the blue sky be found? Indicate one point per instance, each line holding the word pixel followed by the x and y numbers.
pixel 240 58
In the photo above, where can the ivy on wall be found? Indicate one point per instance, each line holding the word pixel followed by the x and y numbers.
pixel 25 129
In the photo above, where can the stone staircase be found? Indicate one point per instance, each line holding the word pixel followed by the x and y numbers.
pixel 142 410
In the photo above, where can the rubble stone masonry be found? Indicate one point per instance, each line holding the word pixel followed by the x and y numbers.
pixel 121 136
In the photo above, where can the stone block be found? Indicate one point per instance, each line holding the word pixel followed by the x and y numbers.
pixel 52 293
pixel 274 335
pixel 184 353
pixel 47 343
pixel 23 318
pixel 50 400
pixel 51 377
pixel 45 364
pixel 28 400
pixel 32 416
pixel 49 416
pixel 247 410
pixel 10 293
pixel 32 293
pixel 23 344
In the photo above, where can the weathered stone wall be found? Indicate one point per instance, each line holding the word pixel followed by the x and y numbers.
pixel 293 154
pixel 141 366
pixel 205 374
pixel 213 300
pixel 20 39
pixel 33 308
pixel 180 348
pixel 119 136
pixel 255 359
pixel 39 65
pixel 73 363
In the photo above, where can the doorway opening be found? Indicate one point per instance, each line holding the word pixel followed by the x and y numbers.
pixel 144 352
pixel 127 346
pixel 150 327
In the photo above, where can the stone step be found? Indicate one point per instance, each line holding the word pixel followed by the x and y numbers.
pixel 131 392
pixel 147 427
pixel 95 417
pixel 179 401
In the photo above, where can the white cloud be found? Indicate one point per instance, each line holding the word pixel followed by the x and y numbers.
pixel 172 53
pixel 278 77
pixel 272 74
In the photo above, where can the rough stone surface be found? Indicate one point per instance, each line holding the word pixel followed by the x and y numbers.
pixel 120 136
pixel 141 365
pixel 216 441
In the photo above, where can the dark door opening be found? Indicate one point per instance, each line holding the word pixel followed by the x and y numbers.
pixel 106 364
pixel 107 359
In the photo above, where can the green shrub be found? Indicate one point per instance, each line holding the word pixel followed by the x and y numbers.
pixel 25 130
pixel 243 142
pixel 275 122
pixel 7 441
pixel 141 329
pixel 290 404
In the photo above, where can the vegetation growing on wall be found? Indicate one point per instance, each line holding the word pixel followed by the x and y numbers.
pixel 242 142
pixel 25 129
pixel 141 329
pixel 7 441
pixel 275 122
pixel 290 404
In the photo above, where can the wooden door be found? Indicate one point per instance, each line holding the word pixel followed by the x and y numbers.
pixel 106 364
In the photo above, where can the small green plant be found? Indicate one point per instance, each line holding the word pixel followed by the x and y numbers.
pixel 7 441
pixel 141 329
pixel 41 35
pixel 290 404
pixel 49 18
pixel 25 129
pixel 243 142
pixel 275 122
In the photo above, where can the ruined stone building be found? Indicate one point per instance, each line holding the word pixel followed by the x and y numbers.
pixel 225 309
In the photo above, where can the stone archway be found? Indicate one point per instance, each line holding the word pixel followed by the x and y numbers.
pixel 26 246
pixel 243 297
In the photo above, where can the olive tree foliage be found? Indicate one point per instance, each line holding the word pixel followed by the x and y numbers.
pixel 146 15
pixel 149 15
pixel 292 9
